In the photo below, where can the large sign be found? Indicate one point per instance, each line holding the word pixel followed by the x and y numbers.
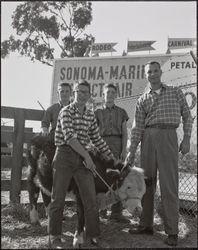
pixel 127 73
pixel 181 43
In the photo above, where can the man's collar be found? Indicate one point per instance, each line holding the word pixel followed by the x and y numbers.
pixel 61 105
pixel 106 107
pixel 86 109
pixel 150 90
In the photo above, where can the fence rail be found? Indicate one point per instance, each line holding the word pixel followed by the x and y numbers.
pixel 17 137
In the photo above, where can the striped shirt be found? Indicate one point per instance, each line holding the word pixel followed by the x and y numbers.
pixel 72 124
pixel 165 108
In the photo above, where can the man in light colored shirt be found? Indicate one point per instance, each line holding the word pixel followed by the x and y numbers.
pixel 76 126
pixel 158 114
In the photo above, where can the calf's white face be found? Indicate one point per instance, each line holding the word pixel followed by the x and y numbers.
pixel 132 190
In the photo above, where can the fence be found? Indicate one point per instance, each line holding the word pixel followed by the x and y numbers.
pixel 14 159
pixel 188 163
pixel 187 183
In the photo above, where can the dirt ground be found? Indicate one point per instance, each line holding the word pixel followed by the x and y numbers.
pixel 17 233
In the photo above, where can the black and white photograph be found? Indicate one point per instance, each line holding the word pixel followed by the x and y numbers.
pixel 98 124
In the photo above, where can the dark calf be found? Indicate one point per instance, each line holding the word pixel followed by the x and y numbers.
pixel 129 186
pixel 39 177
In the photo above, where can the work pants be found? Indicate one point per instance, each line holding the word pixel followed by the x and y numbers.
pixel 67 164
pixel 159 150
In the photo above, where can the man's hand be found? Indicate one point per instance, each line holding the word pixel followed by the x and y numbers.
pixel 90 165
pixel 130 158
pixel 108 157
pixel 184 147
pixel 123 155
pixel 45 131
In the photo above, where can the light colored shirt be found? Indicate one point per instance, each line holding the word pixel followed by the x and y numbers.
pixel 165 108
pixel 110 120
pixel 72 124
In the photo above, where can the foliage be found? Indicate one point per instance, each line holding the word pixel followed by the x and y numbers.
pixel 43 27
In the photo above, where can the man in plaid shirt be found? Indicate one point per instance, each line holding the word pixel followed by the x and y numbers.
pixel 76 126
pixel 158 113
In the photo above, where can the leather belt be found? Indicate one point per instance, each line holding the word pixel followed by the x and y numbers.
pixel 162 126
pixel 119 136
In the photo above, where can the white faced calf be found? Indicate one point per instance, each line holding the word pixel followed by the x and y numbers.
pixel 132 190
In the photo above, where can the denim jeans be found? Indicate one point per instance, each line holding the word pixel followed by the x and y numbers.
pixel 67 164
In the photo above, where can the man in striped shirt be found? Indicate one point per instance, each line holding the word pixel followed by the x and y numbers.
pixel 158 113
pixel 76 126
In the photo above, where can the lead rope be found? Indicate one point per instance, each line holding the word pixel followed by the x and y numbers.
pixel 109 187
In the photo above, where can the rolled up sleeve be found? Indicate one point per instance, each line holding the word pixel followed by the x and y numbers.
pixel 185 113
pixel 137 127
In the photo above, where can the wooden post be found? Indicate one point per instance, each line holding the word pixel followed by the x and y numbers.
pixel 17 159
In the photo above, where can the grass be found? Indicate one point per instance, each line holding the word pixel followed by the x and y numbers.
pixel 17 233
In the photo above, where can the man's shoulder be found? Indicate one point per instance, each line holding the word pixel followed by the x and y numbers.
pixel 53 106
pixel 57 104
pixel 144 96
pixel 119 108
pixel 98 111
pixel 172 88
pixel 68 107
pixel 90 112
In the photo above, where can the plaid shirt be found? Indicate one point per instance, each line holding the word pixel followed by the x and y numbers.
pixel 165 108
pixel 110 120
pixel 72 124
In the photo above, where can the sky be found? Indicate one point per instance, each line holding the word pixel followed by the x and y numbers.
pixel 23 82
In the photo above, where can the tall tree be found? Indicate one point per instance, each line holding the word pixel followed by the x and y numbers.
pixel 46 29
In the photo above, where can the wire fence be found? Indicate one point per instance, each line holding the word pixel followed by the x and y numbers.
pixel 187 183
pixel 187 164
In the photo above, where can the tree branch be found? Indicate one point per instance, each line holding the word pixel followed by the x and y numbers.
pixel 63 19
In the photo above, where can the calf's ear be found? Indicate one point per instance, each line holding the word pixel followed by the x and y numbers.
pixel 118 165
pixel 112 174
